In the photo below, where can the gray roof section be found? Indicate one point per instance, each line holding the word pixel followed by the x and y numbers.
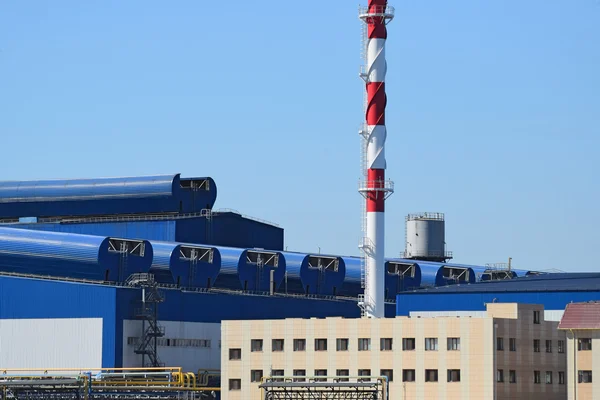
pixel 578 282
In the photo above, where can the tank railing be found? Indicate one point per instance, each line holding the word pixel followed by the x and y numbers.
pixel 425 216
pixel 229 210
pixel 386 12
pixel 440 254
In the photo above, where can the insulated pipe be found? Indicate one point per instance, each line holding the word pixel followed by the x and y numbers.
pixel 376 189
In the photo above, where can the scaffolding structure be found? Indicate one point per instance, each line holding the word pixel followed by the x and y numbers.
pixel 324 388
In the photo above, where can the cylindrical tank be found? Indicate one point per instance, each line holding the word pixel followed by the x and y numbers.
pixel 425 237
pixel 313 274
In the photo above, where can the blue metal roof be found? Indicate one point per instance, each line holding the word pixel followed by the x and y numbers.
pixel 106 196
pixel 301 277
pixel 68 255
pixel 173 263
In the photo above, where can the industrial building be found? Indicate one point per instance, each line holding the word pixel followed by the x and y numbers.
pixel 509 352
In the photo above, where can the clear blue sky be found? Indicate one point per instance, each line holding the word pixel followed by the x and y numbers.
pixel 493 113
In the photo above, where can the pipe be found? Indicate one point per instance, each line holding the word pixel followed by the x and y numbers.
pixel 376 189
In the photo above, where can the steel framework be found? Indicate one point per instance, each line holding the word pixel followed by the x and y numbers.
pixel 288 388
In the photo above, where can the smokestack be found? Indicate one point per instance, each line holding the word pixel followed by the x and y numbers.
pixel 376 189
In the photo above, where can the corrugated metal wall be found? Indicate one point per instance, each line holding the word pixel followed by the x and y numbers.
pixel 32 299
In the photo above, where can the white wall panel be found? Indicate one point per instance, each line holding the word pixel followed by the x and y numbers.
pixel 51 343
pixel 189 358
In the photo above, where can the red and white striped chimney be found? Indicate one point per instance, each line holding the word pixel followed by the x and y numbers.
pixel 376 189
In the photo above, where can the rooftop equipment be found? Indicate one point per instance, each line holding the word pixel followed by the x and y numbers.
pixel 185 265
pixel 426 237
pixel 313 274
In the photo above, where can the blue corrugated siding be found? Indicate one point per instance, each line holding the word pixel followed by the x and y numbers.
pixel 292 282
pixel 228 276
pixel 552 300
pixel 162 261
pixel 395 284
pixel 22 298
pixel 81 197
pixel 233 230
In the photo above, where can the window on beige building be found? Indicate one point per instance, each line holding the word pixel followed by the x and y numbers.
pixel 431 344
pixel 548 376
pixel 235 354
pixel 364 372
pixel 500 375
pixel 320 372
pixel 256 375
pixel 277 345
pixel 454 375
pixel 536 317
pixel 584 344
pixel 512 376
pixel 408 375
pixel 500 344
pixel 299 344
pixel 512 344
pixel 561 346
pixel 385 344
pixel 320 344
pixel 364 344
pixel 277 372
pixel 341 344
pixel 548 346
pixel 536 345
pixel 408 344
pixel 431 375
pixel 561 377
pixel 389 373
pixel 299 372
pixel 342 372
pixel 453 343
pixel 537 377
pixel 235 384
pixel 585 376
pixel 256 345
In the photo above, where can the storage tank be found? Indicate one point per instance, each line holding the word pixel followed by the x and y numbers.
pixel 426 238
pixel 185 265
pixel 313 274
pixel 72 256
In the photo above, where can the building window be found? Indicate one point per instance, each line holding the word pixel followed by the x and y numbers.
pixel 536 317
pixel 454 375
pixel 537 377
pixel 584 344
pixel 431 344
pixel 585 376
pixel 431 375
pixel 408 375
pixel 548 346
pixel 235 354
pixel 453 343
pixel 389 373
pixel 561 377
pixel 320 344
pixel 320 372
pixel 408 344
pixel 364 372
pixel 300 372
pixel 512 376
pixel 256 375
pixel 548 376
pixel 342 372
pixel 500 375
pixel 385 344
pixel 277 345
pixel 277 372
pixel 364 344
pixel 536 345
pixel 561 346
pixel 299 344
pixel 235 384
pixel 500 344
pixel 341 344
pixel 512 344
pixel 256 345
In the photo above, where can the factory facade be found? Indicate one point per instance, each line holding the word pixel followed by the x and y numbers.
pixel 511 352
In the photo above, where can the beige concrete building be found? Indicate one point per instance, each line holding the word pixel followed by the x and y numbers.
pixel 581 323
pixel 508 353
